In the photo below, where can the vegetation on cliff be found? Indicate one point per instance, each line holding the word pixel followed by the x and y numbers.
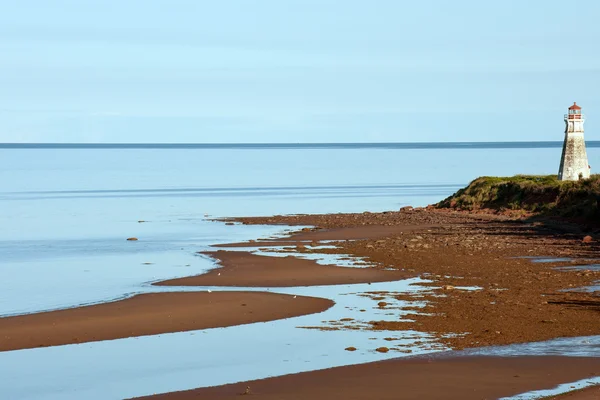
pixel 538 194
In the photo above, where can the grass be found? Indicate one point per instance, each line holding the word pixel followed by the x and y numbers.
pixel 538 194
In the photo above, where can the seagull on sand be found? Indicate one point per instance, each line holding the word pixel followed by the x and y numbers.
pixel 209 291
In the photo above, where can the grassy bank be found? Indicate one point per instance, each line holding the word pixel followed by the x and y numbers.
pixel 539 194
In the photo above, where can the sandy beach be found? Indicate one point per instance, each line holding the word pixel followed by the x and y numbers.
pixel 515 299
pixel 512 300
pixel 151 314
pixel 456 378
pixel 483 289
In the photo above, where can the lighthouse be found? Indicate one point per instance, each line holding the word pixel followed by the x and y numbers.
pixel 574 163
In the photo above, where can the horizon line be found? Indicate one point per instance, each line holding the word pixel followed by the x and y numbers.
pixel 270 143
pixel 294 146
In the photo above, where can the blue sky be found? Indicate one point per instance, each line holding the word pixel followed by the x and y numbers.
pixel 296 70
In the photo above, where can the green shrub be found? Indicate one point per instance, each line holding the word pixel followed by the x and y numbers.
pixel 540 194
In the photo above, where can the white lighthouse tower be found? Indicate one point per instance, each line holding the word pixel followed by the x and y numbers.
pixel 574 163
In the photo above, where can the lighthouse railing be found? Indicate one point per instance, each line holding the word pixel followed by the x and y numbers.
pixel 574 116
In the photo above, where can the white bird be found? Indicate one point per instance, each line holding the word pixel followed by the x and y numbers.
pixel 295 296
pixel 209 291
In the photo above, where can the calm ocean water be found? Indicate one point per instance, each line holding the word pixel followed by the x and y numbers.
pixel 66 210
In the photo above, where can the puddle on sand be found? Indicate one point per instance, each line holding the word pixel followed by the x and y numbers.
pixel 586 267
pixel 583 346
pixel 549 259
pixel 589 267
pixel 588 289
pixel 340 260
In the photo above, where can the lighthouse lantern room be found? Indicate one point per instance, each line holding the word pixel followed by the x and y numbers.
pixel 574 163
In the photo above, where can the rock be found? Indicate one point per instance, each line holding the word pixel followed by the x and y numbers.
pixel 587 239
pixel 350 348
pixel 132 239
pixel 407 208
pixel 382 304
pixel 448 287
pixel 382 349
pixel 229 223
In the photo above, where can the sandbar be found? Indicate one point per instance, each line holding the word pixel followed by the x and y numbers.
pixel 244 269
pixel 151 314
pixel 447 378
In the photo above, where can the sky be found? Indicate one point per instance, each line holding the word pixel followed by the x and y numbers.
pixel 177 71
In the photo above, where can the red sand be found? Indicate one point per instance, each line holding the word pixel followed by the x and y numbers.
pixel 151 314
pixel 345 233
pixel 460 378
pixel 240 268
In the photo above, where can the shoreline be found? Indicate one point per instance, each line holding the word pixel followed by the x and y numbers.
pixel 152 314
pixel 589 393
pixel 482 291
pixel 441 377
pixel 512 298
pixel 244 269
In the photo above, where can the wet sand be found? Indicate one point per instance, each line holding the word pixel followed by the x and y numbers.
pixel 151 314
pixel 517 300
pixel 240 268
pixel 460 378
pixel 318 235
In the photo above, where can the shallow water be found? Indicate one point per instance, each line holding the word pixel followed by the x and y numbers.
pixel 560 389
pixel 161 363
pixel 65 215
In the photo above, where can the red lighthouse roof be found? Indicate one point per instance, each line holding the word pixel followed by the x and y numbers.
pixel 574 107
